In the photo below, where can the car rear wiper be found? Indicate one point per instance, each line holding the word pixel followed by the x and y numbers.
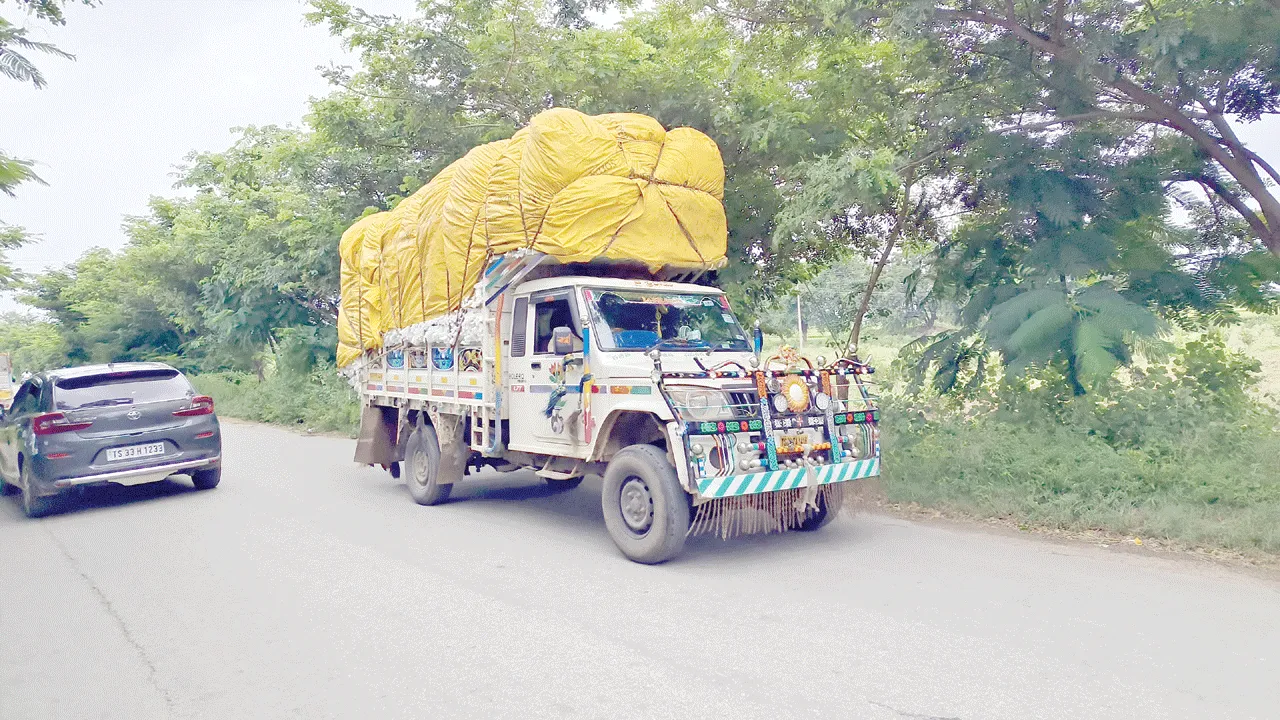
pixel 107 401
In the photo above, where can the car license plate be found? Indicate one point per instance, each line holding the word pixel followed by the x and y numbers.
pixel 134 452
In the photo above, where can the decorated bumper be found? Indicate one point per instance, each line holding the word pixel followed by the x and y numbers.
pixel 788 479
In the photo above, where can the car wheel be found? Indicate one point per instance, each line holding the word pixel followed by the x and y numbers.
pixel 32 504
pixel 422 472
pixel 8 488
pixel 645 509
pixel 206 479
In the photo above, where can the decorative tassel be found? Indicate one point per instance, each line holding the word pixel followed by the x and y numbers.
pixel 762 513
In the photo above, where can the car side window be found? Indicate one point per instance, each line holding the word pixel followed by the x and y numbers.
pixel 26 399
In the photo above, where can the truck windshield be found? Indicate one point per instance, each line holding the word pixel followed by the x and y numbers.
pixel 639 320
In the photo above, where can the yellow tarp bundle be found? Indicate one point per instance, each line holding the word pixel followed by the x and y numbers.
pixel 572 186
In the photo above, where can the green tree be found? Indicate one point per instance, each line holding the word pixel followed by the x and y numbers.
pixel 1059 161
pixel 15 65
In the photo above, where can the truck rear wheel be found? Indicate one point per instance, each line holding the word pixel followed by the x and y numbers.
pixel 422 467
pixel 645 509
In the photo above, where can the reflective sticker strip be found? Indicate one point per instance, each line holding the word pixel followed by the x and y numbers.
pixel 375 388
pixel 470 395
pixel 860 416
pixel 548 389
pixel 441 393
pixel 735 485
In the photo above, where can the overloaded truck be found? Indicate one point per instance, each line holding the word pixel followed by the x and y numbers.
pixel 543 303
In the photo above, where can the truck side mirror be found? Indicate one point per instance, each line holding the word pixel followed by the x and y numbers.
pixel 562 341
pixel 757 339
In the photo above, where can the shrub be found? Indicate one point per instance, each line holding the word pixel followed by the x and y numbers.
pixel 319 400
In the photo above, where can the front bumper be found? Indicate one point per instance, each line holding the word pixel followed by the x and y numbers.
pixel 139 476
pixel 770 481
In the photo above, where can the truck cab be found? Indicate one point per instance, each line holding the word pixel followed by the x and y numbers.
pixel 562 395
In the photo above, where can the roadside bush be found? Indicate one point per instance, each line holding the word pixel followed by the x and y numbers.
pixel 319 400
pixel 1178 451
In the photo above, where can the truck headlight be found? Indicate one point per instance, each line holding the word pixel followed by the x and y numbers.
pixel 701 404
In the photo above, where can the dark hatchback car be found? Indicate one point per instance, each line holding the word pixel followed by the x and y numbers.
pixel 124 423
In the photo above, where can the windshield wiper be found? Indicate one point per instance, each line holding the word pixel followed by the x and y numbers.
pixel 105 402
pixel 679 344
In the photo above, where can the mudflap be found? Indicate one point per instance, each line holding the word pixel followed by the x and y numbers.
pixel 455 452
pixel 378 442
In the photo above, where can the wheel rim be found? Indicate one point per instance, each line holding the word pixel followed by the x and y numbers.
pixel 420 475
pixel 636 503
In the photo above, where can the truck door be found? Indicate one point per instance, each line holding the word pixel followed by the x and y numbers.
pixel 546 399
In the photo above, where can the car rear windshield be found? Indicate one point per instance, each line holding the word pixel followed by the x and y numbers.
pixel 119 388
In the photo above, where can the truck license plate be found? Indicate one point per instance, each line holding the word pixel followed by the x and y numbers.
pixel 791 443
pixel 134 452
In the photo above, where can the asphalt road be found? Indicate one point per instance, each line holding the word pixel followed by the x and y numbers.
pixel 306 586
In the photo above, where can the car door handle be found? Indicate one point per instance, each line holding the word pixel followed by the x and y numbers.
pixel 536 366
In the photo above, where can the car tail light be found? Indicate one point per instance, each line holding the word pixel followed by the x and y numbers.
pixel 56 422
pixel 200 405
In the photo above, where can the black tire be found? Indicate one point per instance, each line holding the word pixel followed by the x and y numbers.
pixel 818 519
pixel 640 476
pixel 33 505
pixel 422 471
pixel 206 479
pixel 563 485
pixel 8 488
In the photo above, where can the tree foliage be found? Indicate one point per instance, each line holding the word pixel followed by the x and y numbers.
pixel 1033 153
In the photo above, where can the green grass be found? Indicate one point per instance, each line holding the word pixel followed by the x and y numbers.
pixel 1259 337
pixel 1220 490
pixel 1173 463
pixel 321 402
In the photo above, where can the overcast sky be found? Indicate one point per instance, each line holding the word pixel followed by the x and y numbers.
pixel 152 81
pixel 156 79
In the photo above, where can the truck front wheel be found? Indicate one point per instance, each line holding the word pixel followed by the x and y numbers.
pixel 645 509
pixel 422 467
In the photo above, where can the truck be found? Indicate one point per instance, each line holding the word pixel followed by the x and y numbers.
pixel 651 384
pixel 548 303
pixel 6 381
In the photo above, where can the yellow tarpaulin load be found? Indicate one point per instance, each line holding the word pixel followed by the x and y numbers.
pixel 569 185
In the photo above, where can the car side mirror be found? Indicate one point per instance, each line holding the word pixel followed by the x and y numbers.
pixel 562 341
pixel 757 338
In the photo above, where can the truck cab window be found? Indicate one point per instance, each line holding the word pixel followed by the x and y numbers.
pixel 549 315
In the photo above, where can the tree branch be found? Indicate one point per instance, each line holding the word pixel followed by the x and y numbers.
pixel 1082 117
pixel 1257 160
pixel 899 224
pixel 1212 183
pixel 1239 167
